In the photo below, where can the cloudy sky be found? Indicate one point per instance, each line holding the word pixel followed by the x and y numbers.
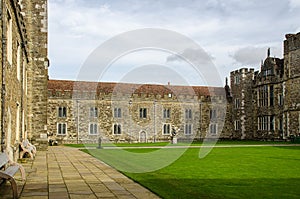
pixel 233 33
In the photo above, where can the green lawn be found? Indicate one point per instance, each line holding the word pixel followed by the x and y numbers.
pixel 252 172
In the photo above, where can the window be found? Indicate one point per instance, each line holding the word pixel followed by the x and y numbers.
pixel 61 129
pixel 19 62
pixel 117 113
pixel 259 123
pixel 188 113
pixel 62 112
pixel 237 125
pixel 93 129
pixel 213 114
pixel 237 103
pixel 166 113
pixel 117 129
pixel 93 112
pixel 143 113
pixel 166 129
pixel 213 129
pixel 188 129
pixel 9 38
pixel 263 123
pixel 272 123
pixel 237 79
pixel 280 124
pixel 280 100
pixel 271 95
pixel 263 96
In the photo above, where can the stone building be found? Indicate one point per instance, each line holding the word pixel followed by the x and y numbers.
pixel 23 73
pixel 81 112
pixel 267 102
pixel 258 105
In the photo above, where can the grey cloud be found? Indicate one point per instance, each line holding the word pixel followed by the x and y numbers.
pixel 194 55
pixel 252 55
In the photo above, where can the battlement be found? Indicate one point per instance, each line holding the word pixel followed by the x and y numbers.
pixel 292 42
pixel 242 71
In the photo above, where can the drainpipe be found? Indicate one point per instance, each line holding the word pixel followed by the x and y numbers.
pixel 3 46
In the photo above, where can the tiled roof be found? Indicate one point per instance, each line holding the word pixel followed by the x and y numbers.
pixel 128 88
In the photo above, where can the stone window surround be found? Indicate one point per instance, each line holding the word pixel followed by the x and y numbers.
pixel 117 113
pixel 236 103
pixel 188 129
pixel 143 113
pixel 9 38
pixel 117 129
pixel 188 113
pixel 266 123
pixel 62 111
pixel 167 113
pixel 213 114
pixel 213 128
pixel 237 125
pixel 93 112
pixel 61 128
pixel 165 128
pixel 93 128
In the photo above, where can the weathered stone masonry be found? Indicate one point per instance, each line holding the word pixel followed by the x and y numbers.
pixel 147 113
pixel 260 105
pixel 23 74
pixel 269 99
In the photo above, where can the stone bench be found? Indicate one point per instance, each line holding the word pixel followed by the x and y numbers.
pixel 8 170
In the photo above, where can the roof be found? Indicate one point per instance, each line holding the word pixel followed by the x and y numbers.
pixel 128 88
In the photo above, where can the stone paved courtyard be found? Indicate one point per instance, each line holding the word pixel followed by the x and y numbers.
pixel 63 172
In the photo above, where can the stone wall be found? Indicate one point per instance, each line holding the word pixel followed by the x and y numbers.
pixel 134 128
pixel 277 85
pixel 35 14
pixel 14 57
pixel 292 83
pixel 242 102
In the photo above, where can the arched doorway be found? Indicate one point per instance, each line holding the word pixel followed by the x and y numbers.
pixel 143 137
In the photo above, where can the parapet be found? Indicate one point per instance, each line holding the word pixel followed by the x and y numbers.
pixel 292 42
pixel 242 71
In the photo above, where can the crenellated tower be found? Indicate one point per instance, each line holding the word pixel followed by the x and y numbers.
pixel 242 97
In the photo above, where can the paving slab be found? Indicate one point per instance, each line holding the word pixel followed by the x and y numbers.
pixel 65 172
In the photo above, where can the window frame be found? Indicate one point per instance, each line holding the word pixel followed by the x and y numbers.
pixel 167 113
pixel 9 38
pixel 237 125
pixel 165 128
pixel 60 127
pixel 62 112
pixel 213 114
pixel 93 112
pixel 117 113
pixel 117 129
pixel 92 130
pixel 188 114
pixel 213 129
pixel 188 129
pixel 143 113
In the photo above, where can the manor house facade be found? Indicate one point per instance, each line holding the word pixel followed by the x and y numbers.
pixel 260 105
pixel 23 73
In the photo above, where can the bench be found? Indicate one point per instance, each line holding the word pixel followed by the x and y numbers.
pixel 8 170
